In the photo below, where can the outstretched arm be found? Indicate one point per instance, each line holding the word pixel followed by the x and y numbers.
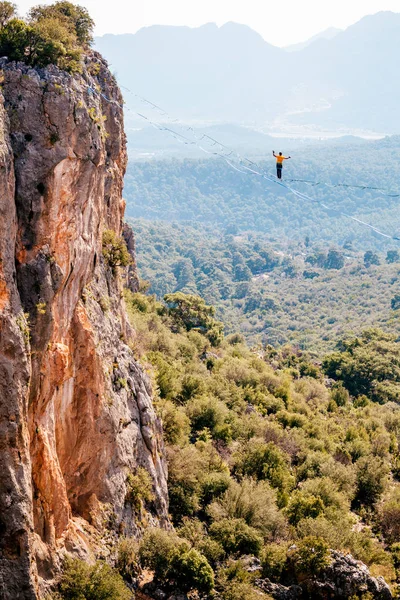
pixel 287 157
pixel 273 152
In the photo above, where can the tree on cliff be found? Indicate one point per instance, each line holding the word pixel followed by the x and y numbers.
pixel 75 18
pixel 55 34
pixel 8 10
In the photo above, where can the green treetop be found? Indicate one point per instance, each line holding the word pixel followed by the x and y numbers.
pixel 56 34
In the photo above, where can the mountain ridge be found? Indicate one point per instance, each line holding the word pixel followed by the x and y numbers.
pixel 326 34
pixel 231 74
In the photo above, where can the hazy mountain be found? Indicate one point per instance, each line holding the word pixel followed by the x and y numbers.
pixel 327 34
pixel 230 74
pixel 356 73
pixel 208 73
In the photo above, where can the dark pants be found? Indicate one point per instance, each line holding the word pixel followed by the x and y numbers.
pixel 279 171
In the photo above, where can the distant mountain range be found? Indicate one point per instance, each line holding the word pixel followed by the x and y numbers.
pixel 230 74
pixel 327 34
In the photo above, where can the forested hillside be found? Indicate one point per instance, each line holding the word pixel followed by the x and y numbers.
pixel 274 293
pixel 210 191
pixel 277 267
pixel 266 452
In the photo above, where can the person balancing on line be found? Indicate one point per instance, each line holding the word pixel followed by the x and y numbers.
pixel 279 163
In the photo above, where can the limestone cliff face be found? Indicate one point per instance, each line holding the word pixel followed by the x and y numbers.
pixel 75 408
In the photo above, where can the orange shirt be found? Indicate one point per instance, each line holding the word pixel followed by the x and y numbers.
pixel 280 159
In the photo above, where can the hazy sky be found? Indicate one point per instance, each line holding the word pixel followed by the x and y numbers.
pixel 280 22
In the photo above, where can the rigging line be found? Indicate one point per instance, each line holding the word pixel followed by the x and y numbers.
pixel 234 167
pixel 387 193
pixel 305 197
pixel 263 175
pixel 295 192
pixel 357 220
pixel 187 127
pixel 308 182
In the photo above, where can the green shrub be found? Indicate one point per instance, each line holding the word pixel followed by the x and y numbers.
pixel 191 387
pixel 14 39
pixel 128 558
pixel 389 518
pixel 212 550
pixel 76 17
pixel 139 488
pixel 207 413
pixel 157 549
pixel 311 466
pixel 236 537
pixel 340 395
pixel 194 532
pixel 174 563
pixel 176 424
pixel 234 583
pixel 273 561
pixel 368 365
pixel 184 481
pixel 303 506
pixel 255 503
pixel 54 43
pixel 214 485
pixel 336 534
pixel 189 468
pixel 115 252
pixel 372 475
pixel 343 476
pixel 290 420
pixel 191 571
pixel 311 556
pixel 395 550
pixel 191 312
pixel 241 591
pixel 80 581
pixel 264 461
pixel 324 488
pixel 8 10
pixel 167 378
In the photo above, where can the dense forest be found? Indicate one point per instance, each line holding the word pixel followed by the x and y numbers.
pixel 211 192
pixel 274 292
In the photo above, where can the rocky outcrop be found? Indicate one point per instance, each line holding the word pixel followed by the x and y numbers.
pixel 345 577
pixel 132 279
pixel 76 415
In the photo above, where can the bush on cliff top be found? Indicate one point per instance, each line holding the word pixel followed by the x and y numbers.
pixel 56 34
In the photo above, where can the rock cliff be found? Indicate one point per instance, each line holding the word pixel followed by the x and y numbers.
pixel 76 415
pixel 345 577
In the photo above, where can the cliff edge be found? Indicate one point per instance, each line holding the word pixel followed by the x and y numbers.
pixel 76 416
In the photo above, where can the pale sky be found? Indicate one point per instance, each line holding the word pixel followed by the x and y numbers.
pixel 280 22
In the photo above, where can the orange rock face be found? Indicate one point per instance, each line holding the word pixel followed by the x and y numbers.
pixel 75 408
